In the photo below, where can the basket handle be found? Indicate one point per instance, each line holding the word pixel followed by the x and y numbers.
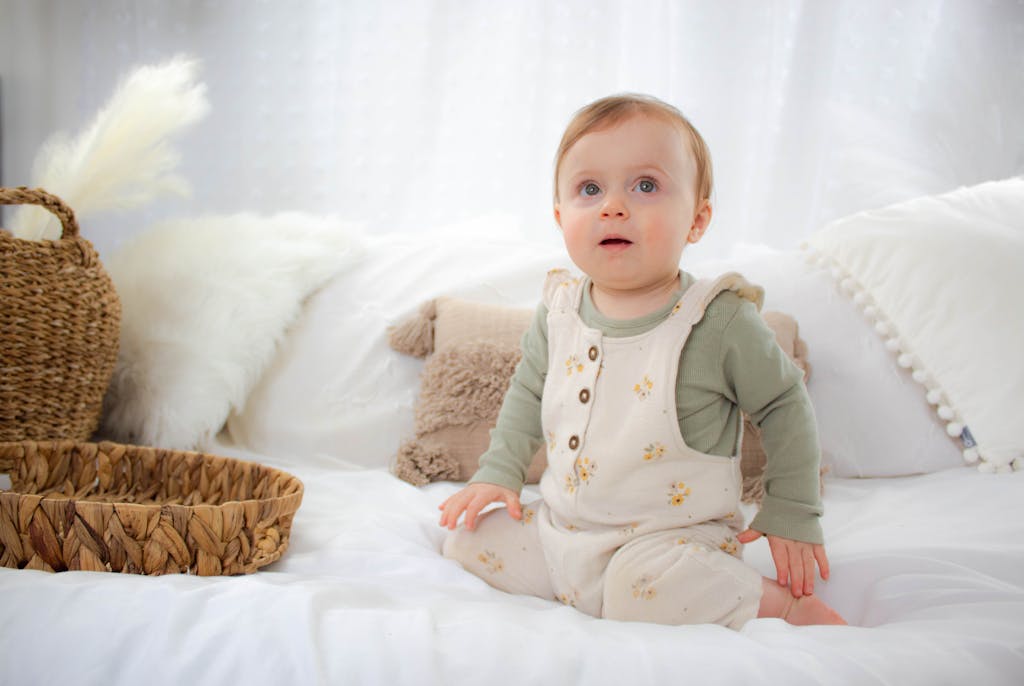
pixel 37 196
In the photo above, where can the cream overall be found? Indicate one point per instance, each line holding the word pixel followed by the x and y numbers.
pixel 632 523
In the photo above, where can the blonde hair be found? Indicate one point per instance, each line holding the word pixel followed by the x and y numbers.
pixel 615 109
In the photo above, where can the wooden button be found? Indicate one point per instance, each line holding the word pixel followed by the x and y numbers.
pixel 574 442
pixel 584 396
pixel 592 353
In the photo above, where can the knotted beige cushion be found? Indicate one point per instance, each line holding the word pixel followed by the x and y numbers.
pixel 471 351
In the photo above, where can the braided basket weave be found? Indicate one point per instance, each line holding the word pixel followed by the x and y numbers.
pixel 121 508
pixel 59 325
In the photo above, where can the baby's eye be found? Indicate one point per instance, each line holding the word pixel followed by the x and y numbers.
pixel 646 186
pixel 590 188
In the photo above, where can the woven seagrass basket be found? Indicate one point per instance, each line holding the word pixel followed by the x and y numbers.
pixel 122 508
pixel 59 325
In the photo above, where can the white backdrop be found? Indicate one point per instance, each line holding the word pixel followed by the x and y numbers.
pixel 411 115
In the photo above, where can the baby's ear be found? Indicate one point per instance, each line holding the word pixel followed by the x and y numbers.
pixel 558 216
pixel 701 220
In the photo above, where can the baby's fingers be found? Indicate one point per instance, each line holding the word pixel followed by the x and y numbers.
pixel 781 558
pixel 515 510
pixel 796 574
pixel 451 510
pixel 808 572
pixel 473 509
pixel 822 559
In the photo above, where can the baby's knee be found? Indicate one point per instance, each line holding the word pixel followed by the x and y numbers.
pixel 690 584
pixel 504 552
pixel 469 547
pixel 637 589
pixel 456 545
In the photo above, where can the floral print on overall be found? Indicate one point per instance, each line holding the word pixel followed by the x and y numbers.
pixel 583 471
pixel 490 560
pixel 644 388
pixel 678 493
pixel 654 451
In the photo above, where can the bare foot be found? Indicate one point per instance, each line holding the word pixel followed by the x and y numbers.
pixel 777 601
pixel 811 610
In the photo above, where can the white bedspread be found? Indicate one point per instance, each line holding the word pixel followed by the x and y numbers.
pixel 929 570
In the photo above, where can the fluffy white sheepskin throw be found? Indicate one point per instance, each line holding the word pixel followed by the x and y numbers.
pixel 205 303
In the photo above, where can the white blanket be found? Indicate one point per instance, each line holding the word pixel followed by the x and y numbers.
pixel 926 568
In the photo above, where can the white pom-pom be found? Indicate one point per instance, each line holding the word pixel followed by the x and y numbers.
pixel 971 455
pixel 1017 464
pixel 986 468
pixel 1004 469
pixel 920 376
pixel 946 412
pixel 848 285
pixel 860 298
pixel 954 429
pixel 882 328
pixel 871 312
pixel 892 344
pixel 906 360
pixel 934 396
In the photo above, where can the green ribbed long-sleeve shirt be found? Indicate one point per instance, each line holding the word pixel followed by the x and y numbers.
pixel 730 364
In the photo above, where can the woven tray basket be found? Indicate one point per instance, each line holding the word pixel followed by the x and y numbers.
pixel 59 325
pixel 121 508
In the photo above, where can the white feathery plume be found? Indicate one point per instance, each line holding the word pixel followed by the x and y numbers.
pixel 124 158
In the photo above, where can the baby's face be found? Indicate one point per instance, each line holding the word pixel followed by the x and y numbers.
pixel 627 204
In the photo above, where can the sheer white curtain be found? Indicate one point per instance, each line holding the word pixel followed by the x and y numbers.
pixel 414 115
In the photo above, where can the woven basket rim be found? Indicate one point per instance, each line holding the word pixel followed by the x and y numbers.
pixel 106 506
pixel 42 446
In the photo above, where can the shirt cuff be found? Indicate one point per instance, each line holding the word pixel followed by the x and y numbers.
pixel 491 475
pixel 789 519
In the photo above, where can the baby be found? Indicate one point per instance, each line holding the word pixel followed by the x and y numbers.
pixel 635 374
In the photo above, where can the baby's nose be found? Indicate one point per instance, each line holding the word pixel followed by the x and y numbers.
pixel 614 207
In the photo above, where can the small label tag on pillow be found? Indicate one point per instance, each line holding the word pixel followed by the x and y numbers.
pixel 967 438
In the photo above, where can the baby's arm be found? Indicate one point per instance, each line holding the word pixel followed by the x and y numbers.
pixel 770 389
pixel 514 440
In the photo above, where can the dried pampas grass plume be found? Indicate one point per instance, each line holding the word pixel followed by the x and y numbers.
pixel 124 158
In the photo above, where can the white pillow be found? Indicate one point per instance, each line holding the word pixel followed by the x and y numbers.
pixel 937 276
pixel 336 392
pixel 872 419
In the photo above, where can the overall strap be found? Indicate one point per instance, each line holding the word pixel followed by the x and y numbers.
pixel 563 291
pixel 699 295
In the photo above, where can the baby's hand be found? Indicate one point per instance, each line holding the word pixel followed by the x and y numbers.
pixel 794 561
pixel 474 498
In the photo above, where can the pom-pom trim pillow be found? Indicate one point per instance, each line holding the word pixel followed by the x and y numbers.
pixel 937 277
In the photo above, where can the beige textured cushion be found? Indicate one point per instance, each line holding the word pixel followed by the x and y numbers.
pixel 471 351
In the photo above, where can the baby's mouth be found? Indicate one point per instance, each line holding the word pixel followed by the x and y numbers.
pixel 616 241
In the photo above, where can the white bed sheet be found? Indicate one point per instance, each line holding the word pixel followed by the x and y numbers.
pixel 928 568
